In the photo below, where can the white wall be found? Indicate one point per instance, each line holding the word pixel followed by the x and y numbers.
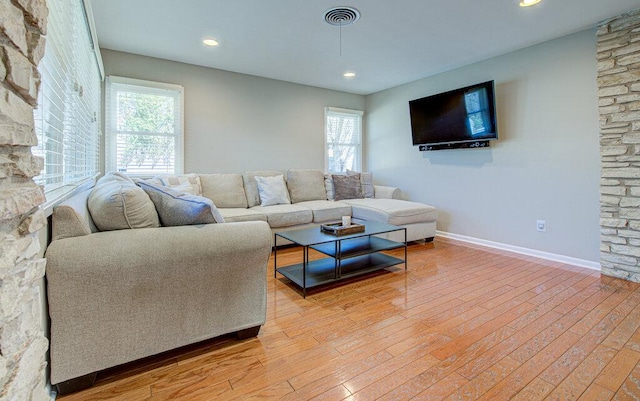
pixel 236 122
pixel 545 165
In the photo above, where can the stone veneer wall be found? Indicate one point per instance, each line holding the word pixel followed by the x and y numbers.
pixel 23 346
pixel 619 100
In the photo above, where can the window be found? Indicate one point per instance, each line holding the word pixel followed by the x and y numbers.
pixel 144 127
pixel 67 118
pixel 343 139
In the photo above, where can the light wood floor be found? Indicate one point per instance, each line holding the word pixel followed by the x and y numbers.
pixel 463 323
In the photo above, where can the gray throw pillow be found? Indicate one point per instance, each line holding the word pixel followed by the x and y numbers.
pixel 366 179
pixel 347 187
pixel 180 208
pixel 116 203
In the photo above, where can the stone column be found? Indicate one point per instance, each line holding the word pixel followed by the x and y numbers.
pixel 619 100
pixel 23 345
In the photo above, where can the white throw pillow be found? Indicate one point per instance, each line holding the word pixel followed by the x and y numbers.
pixel 177 182
pixel 328 186
pixel 272 190
pixel 185 187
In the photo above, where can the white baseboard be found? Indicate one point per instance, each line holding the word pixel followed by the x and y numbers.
pixel 523 251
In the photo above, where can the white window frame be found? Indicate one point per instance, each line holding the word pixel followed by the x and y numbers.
pixel 346 113
pixel 112 84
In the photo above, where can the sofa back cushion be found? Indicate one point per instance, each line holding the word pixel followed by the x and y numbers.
pixel 117 203
pixel 225 190
pixel 251 187
pixel 306 185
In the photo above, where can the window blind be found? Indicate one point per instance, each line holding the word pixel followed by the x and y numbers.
pixel 343 140
pixel 67 118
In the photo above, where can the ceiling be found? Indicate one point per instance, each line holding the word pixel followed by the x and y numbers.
pixel 393 43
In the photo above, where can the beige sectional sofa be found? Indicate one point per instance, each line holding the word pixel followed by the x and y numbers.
pixel 236 196
pixel 118 296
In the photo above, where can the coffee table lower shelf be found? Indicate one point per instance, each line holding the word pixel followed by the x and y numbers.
pixel 323 271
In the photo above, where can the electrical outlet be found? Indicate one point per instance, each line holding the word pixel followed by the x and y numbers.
pixel 541 225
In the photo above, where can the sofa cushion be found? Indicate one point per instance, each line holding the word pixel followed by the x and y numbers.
pixel 251 187
pixel 234 214
pixel 347 187
pixel 178 181
pixel 117 203
pixel 392 211
pixel 285 215
pixel 272 190
pixel 325 211
pixel 225 190
pixel 306 185
pixel 181 208
pixel 366 181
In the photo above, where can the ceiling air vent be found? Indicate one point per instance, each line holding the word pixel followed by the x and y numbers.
pixel 341 16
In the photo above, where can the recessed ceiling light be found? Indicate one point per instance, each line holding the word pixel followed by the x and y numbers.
pixel 527 3
pixel 349 74
pixel 210 42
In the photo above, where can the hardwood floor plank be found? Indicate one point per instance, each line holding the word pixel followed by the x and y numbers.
pixel 596 393
pixel 577 382
pixel 536 390
pixel 141 393
pixel 485 381
pixel 616 372
pixel 419 352
pixel 381 387
pixel 336 393
pixel 476 366
pixel 474 335
pixel 486 317
pixel 625 330
pixel 630 389
pixel 443 388
pixel 530 369
pixel 199 392
pixel 348 368
pixel 545 337
pixel 462 323
pixel 576 354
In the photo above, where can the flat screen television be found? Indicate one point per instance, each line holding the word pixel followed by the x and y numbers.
pixel 465 116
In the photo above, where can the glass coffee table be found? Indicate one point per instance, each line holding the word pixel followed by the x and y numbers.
pixel 349 255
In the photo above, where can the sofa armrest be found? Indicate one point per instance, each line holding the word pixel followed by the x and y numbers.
pixel 118 296
pixel 383 192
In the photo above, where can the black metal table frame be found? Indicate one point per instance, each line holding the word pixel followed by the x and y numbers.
pixel 337 240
